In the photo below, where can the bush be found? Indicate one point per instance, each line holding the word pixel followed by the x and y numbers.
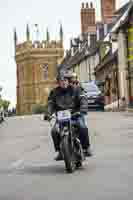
pixel 39 109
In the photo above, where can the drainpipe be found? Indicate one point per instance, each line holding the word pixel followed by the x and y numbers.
pixel 128 69
pixel 118 95
pixel 89 70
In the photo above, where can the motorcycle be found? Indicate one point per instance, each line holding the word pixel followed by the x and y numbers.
pixel 70 145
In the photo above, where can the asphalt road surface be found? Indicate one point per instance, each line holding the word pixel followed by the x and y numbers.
pixel 28 171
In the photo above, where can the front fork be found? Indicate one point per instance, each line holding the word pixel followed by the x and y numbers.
pixel 67 131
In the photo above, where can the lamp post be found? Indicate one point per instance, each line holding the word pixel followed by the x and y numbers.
pixel 117 82
pixel 89 71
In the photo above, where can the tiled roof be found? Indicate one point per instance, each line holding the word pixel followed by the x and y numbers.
pixel 78 57
pixel 122 9
pixel 124 17
pixel 106 60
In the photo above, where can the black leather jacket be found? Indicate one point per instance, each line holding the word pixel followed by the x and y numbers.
pixel 69 98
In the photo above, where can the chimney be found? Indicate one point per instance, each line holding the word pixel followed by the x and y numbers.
pixel 87 18
pixel 91 5
pixel 87 5
pixel 107 10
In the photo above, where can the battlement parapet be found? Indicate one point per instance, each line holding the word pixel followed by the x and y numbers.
pixel 29 45
pixel 24 46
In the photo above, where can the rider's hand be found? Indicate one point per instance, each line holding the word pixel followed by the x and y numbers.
pixel 83 113
pixel 49 117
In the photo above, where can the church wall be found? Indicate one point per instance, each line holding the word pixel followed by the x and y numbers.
pixel 33 83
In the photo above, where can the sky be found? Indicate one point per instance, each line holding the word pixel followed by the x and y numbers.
pixel 16 14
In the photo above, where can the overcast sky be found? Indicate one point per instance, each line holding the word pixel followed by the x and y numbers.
pixel 17 13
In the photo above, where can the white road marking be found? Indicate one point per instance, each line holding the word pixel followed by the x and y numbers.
pixel 23 165
pixel 17 163
pixel 36 165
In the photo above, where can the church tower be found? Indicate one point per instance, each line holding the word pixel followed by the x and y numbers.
pixel 36 64
pixel 107 9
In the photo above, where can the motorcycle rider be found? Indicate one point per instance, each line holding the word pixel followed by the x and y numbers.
pixel 64 97
pixel 74 80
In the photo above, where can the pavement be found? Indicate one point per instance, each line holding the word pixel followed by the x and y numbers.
pixel 28 171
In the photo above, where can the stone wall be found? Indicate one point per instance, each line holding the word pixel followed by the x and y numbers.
pixel 36 73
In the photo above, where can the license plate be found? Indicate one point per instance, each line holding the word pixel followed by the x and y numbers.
pixel 91 101
pixel 64 115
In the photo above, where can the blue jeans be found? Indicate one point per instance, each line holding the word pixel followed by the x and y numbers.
pixel 83 131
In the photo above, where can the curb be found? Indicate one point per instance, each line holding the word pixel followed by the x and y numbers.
pixel 130 109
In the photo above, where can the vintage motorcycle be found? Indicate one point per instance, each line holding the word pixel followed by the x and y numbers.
pixel 70 145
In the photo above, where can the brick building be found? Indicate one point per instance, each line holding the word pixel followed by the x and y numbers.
pixel 88 20
pixel 107 10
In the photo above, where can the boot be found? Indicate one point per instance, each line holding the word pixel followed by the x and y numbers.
pixel 87 152
pixel 59 157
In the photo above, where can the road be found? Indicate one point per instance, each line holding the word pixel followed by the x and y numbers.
pixel 28 171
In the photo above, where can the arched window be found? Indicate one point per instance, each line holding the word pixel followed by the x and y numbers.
pixel 45 71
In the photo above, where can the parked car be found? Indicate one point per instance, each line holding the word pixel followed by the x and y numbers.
pixel 95 96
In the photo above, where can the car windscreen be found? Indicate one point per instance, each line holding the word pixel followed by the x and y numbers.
pixel 90 87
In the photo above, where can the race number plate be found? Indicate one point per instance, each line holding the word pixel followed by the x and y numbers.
pixel 64 115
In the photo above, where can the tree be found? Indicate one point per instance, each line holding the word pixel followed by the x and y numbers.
pixel 1 102
pixel 0 91
pixel 6 104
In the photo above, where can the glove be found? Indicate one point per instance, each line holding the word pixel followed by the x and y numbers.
pixel 83 113
pixel 49 117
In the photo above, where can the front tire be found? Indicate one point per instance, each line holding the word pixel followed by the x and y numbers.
pixel 78 164
pixel 68 154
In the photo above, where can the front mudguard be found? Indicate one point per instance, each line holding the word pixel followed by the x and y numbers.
pixel 67 154
pixel 78 150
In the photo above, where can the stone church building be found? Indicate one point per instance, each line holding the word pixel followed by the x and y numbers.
pixel 36 64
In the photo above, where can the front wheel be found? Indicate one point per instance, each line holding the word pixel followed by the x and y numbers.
pixel 78 164
pixel 68 154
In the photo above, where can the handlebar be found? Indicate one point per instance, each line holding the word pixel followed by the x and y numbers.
pixel 76 114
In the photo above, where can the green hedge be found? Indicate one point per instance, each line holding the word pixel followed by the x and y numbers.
pixel 39 109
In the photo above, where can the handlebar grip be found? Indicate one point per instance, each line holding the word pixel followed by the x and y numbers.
pixel 76 114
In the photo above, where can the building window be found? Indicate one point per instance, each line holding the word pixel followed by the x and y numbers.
pixel 45 71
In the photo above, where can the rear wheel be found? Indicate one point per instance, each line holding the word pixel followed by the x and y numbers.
pixel 68 154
